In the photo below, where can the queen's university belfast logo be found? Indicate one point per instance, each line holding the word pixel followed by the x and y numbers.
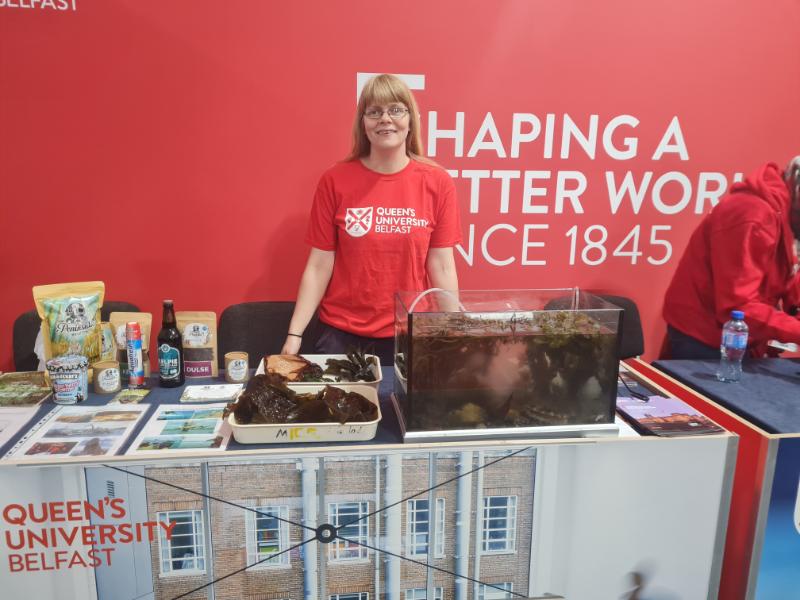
pixel 358 221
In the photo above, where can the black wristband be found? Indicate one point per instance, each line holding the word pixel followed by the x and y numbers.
pixel 295 335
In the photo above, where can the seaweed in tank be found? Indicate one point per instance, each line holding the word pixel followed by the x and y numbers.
pixel 552 367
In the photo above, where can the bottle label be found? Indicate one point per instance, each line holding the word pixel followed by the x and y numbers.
pixel 168 362
pixel 135 364
pixel 734 339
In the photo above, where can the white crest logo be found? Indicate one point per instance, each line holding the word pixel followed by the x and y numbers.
pixel 358 221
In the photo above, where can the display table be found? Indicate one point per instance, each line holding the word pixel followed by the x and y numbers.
pixel 580 518
pixel 388 429
pixel 761 559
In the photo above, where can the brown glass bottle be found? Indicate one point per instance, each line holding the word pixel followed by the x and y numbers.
pixel 170 349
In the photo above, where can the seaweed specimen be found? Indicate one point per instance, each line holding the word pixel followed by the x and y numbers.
pixel 266 399
pixel 294 368
pixel 357 367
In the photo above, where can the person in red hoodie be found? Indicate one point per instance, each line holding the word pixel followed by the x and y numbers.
pixel 741 257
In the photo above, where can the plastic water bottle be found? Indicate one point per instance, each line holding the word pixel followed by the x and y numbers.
pixel 732 348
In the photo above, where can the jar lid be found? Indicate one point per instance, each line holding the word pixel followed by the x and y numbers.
pixel 105 364
pixel 67 363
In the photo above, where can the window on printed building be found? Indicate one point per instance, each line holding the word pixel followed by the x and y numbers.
pixel 267 535
pixel 486 592
pixel 354 596
pixel 351 517
pixel 438 550
pixel 499 523
pixel 185 551
pixel 418 527
pixel 420 594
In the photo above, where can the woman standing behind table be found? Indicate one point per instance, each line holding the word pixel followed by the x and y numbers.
pixel 386 219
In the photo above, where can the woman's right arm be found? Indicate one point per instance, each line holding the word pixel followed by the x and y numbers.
pixel 313 284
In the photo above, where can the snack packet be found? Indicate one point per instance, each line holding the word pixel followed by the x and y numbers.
pixel 70 314
pixel 199 332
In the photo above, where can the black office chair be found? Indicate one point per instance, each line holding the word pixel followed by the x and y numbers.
pixel 632 342
pixel 26 328
pixel 258 328
pixel 110 306
pixel 631 336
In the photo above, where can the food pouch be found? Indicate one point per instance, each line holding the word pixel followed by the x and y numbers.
pixel 199 332
pixel 70 314
pixel 118 321
pixel 108 347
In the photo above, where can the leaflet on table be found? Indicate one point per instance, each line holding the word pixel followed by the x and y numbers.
pixel 225 392
pixel 24 388
pixel 177 427
pixel 78 431
pixel 130 396
pixel 665 416
pixel 13 419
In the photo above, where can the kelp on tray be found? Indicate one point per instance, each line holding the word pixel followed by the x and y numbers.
pixel 290 367
pixel 268 400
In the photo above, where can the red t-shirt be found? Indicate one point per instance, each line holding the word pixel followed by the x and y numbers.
pixel 381 227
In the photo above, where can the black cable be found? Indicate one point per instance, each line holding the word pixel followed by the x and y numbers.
pixel 248 508
pixel 635 394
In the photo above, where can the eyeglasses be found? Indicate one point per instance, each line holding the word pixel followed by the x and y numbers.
pixel 394 112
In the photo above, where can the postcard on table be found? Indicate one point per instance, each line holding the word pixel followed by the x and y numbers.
pixel 183 427
pixel 225 392
pixel 129 396
pixel 78 431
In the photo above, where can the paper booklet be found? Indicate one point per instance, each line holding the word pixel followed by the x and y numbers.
pixel 665 417
pixel 78 431
pixel 177 427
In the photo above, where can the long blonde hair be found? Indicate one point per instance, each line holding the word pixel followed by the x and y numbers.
pixel 381 90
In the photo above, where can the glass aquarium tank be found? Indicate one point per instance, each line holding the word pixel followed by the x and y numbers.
pixel 505 359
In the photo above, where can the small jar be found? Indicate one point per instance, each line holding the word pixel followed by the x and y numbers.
pixel 107 378
pixel 236 367
pixel 69 376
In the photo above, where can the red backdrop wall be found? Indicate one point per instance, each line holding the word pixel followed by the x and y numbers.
pixel 171 149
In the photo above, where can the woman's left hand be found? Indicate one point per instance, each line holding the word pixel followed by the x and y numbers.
pixel 291 345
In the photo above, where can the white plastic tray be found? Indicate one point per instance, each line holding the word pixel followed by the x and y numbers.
pixel 281 433
pixel 320 360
